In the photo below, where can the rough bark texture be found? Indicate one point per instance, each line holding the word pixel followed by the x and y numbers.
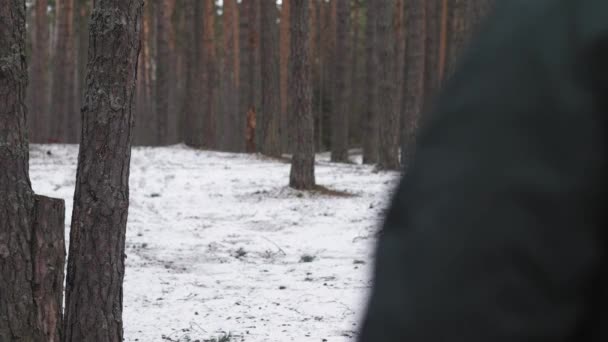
pixel 230 82
pixel 284 65
pixel 65 120
pixel 341 108
pixel 370 137
pixel 48 254
pixel 163 12
pixel 303 161
pixel 271 103
pixel 208 76
pixel 192 120
pixel 96 262
pixel 28 306
pixel 17 306
pixel 388 157
pixel 414 78
pixel 40 73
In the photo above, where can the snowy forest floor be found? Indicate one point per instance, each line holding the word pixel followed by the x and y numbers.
pixel 217 244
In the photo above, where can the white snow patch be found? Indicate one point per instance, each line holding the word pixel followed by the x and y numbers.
pixel 217 242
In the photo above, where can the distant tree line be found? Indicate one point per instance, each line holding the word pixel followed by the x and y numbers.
pixel 206 68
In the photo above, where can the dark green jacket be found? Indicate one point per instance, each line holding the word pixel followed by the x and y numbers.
pixel 498 232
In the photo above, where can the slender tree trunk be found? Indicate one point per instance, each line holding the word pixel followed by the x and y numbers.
pixel 163 24
pixel 31 227
pixel 388 156
pixel 303 161
pixel 356 102
pixel 251 69
pixel 370 136
pixel 271 103
pixel 101 201
pixel 230 94
pixel 208 75
pixel 193 123
pixel 415 66
pixel 65 122
pixel 284 65
pixel 341 109
pixel 40 73
pixel 83 12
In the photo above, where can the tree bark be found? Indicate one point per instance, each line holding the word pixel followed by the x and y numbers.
pixel 40 73
pixel 388 156
pixel 96 263
pixel 28 279
pixel 192 120
pixel 284 65
pixel 271 100
pixel 48 254
pixel 230 75
pixel 370 137
pixel 415 66
pixel 163 23
pixel 65 121
pixel 82 13
pixel 341 109
pixel 250 85
pixel 208 76
pixel 303 161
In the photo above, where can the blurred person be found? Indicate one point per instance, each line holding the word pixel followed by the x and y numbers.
pixel 498 230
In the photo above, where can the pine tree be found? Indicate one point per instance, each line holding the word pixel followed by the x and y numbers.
pixel 300 98
pixel 31 227
pixel 101 200
pixel 341 108
pixel 271 101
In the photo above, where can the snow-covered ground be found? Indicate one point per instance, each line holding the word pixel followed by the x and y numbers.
pixel 217 243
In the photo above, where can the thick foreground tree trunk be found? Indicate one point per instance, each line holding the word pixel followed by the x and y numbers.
pixel 31 227
pixel 300 92
pixel 96 262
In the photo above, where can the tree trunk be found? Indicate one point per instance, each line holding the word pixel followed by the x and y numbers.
pixel 370 137
pixel 250 66
pixel 163 24
pixel 230 75
pixel 65 121
pixel 83 12
pixel 388 156
pixel 48 254
pixel 96 262
pixel 341 109
pixel 303 161
pixel 414 78
pixel 31 227
pixel 208 75
pixel 192 120
pixel 40 73
pixel 271 100
pixel 284 65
